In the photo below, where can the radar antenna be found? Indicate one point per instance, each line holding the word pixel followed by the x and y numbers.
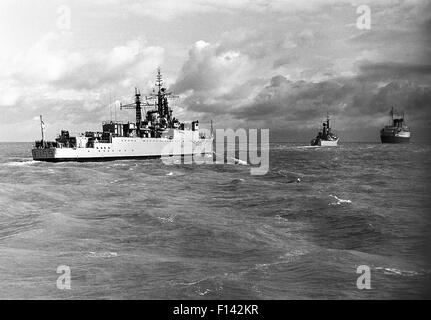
pixel 161 98
pixel 160 102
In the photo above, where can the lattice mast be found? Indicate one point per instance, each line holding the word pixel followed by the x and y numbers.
pixel 161 101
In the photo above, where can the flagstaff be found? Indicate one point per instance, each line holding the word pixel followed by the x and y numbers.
pixel 42 129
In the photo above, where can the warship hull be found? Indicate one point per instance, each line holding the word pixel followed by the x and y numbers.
pixel 122 148
pixel 326 143
pixel 394 135
pixel 394 139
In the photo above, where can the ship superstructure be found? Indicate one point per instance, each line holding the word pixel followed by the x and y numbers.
pixel 157 134
pixel 396 131
pixel 325 138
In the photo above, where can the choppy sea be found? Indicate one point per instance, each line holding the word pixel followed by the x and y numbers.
pixel 146 230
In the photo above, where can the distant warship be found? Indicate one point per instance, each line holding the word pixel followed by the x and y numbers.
pixel 397 131
pixel 325 138
pixel 158 134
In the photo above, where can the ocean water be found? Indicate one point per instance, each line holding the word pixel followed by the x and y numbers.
pixel 145 230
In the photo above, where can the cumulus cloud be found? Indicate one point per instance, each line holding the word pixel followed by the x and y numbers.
pixel 71 87
pixel 9 94
pixel 71 84
pixel 211 68
pixel 52 61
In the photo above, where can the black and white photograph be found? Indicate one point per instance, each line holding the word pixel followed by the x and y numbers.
pixel 215 150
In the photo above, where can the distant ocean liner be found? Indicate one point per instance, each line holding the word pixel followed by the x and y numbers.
pixel 396 132
pixel 325 138
pixel 159 134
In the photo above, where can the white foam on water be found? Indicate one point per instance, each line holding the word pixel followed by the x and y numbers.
pixel 285 258
pixel 202 293
pixel 21 163
pixel 105 254
pixel 292 147
pixel 237 180
pixel 306 147
pixel 339 201
pixel 166 219
pixel 170 173
pixel 280 218
pixel 395 271
pixel 192 283
pixel 240 162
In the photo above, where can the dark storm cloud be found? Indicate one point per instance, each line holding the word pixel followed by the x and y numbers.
pixel 197 103
pixel 427 27
pixel 371 93
pixel 294 100
pixel 413 98
pixel 345 97
pixel 390 70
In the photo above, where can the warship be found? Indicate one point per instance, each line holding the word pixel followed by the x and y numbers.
pixel 156 135
pixel 396 131
pixel 325 138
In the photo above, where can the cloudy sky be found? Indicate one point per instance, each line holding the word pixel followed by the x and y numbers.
pixel 278 64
